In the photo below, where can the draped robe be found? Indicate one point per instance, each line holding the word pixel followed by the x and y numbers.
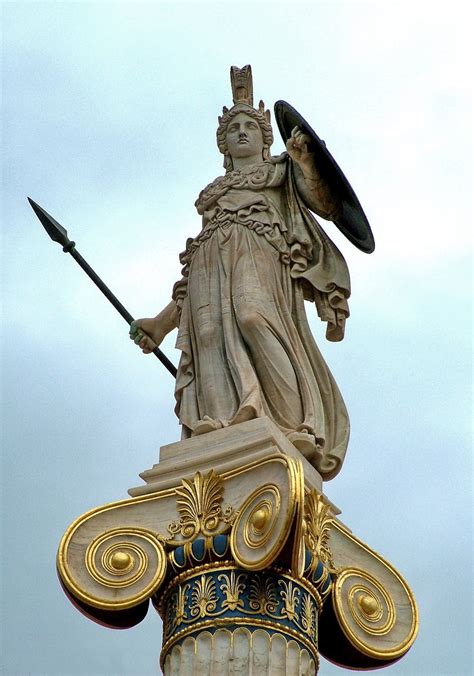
pixel 246 347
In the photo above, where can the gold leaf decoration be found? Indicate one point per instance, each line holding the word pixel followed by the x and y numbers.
pixel 308 620
pixel 204 598
pixel 262 595
pixel 318 521
pixel 290 595
pixel 232 587
pixel 198 502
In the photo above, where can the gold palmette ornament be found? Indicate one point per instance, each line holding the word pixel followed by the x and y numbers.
pixel 263 560
pixel 242 96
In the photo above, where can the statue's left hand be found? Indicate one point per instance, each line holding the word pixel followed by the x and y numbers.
pixel 297 147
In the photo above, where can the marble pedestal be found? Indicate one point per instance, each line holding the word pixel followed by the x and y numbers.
pixel 244 558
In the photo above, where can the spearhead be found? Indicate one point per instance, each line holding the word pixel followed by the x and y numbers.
pixel 54 229
pixel 59 234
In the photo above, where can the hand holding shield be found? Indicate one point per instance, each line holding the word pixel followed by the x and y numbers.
pixel 298 147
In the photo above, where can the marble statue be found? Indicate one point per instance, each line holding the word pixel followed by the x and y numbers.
pixel 231 537
pixel 246 347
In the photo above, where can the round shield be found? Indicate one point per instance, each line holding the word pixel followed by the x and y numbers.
pixel 352 221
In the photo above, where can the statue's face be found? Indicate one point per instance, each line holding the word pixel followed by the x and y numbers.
pixel 244 137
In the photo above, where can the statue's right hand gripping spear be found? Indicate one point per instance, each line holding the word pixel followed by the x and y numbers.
pixel 59 234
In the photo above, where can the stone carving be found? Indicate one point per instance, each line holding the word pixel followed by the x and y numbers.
pixel 240 570
pixel 246 347
pixel 272 599
pixel 199 506
pixel 318 521
pixel 232 539
pixel 260 652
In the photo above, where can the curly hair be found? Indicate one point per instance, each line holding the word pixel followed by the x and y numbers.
pixel 261 116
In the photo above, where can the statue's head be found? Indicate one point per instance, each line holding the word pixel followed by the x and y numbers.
pixel 243 119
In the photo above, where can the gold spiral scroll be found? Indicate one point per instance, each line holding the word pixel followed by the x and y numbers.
pixel 374 622
pixel 125 567
pixel 263 522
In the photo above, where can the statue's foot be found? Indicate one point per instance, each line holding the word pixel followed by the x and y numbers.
pixel 306 443
pixel 206 425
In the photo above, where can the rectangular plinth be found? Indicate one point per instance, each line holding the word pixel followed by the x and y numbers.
pixel 222 450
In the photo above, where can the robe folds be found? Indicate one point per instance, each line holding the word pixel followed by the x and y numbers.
pixel 246 347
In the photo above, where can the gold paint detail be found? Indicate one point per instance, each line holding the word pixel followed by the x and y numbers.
pixel 120 562
pixel 290 595
pixel 198 503
pixel 260 517
pixel 189 558
pixel 298 553
pixel 204 597
pixel 366 612
pixel 125 566
pixel 105 548
pixel 210 593
pixel 308 621
pixel 370 606
pixel 187 575
pixel 89 518
pixel 229 566
pixel 117 561
pixel 249 543
pixel 263 596
pixel 179 611
pixel 261 520
pixel 155 497
pixel 318 522
pixel 71 567
pixel 406 601
pixel 232 588
pixel 382 616
pixel 264 521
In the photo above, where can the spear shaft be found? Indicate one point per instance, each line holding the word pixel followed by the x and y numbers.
pixel 59 234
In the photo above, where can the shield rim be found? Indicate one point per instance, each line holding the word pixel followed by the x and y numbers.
pixel 347 195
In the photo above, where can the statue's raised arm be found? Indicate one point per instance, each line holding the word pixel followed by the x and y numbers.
pixel 246 347
pixel 349 216
pixel 314 189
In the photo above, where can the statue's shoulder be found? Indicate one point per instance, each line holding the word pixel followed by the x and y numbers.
pixel 268 174
pixel 279 169
pixel 211 192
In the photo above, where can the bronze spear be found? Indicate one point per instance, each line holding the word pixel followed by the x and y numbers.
pixel 59 234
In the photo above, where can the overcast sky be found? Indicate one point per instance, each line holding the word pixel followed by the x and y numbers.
pixel 109 118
